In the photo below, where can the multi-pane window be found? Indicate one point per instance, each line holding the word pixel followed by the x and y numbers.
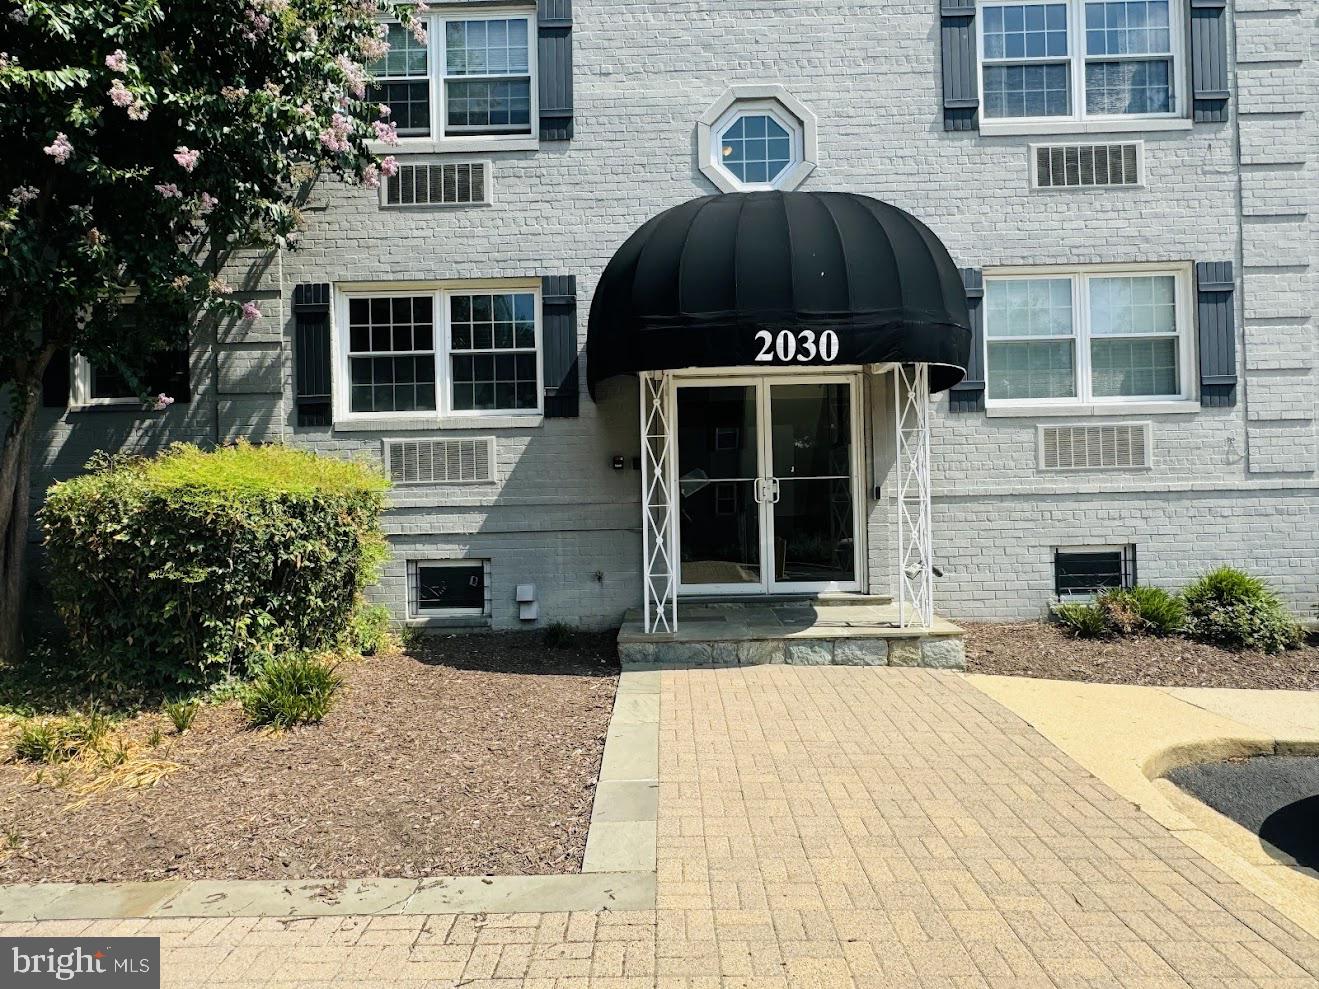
pixel 756 148
pixel 391 354
pixel 493 351
pixel 450 351
pixel 470 76
pixel 402 82
pixel 1079 59
pixel 1088 336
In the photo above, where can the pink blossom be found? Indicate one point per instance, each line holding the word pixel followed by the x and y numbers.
pixel 251 311
pixel 207 203
pixel 138 111
pixel 384 109
pixel 23 194
pixel 162 403
pixel 5 60
pixel 186 158
pixel 371 177
pixel 422 7
pixel 335 137
pixel 389 167
pixel 60 149
pixel 119 94
pixel 117 61
pixel 354 74
pixel 418 30
pixel 386 132
pixel 373 49
pixel 168 190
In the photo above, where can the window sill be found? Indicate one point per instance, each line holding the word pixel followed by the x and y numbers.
pixel 447 621
pixel 457 145
pixel 405 424
pixel 97 408
pixel 1009 128
pixel 1010 411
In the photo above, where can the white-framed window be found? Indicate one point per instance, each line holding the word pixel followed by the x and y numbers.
pixel 474 77
pixel 448 588
pixel 757 143
pixel 1084 571
pixel 1081 60
pixel 1102 335
pixel 92 385
pixel 462 349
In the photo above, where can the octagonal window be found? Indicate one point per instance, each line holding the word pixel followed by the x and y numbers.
pixel 756 144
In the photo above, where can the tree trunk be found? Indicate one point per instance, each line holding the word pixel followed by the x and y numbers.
pixel 15 490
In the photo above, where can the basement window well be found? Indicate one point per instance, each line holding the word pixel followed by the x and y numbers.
pixel 1084 571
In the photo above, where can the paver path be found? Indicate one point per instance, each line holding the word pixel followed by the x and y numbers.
pixel 828 827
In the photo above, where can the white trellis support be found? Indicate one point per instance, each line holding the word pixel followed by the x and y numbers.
pixel 658 524
pixel 911 391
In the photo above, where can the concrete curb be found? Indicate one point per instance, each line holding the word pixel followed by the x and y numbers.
pixel 618 869
pixel 1131 737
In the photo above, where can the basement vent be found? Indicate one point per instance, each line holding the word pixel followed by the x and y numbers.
pixel 1110 447
pixel 449 183
pixel 465 461
pixel 1075 166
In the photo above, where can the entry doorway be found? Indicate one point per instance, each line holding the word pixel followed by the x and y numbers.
pixel 768 484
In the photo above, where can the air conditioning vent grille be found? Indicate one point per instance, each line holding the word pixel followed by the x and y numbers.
pixel 1119 446
pixel 460 183
pixel 1076 166
pixel 450 461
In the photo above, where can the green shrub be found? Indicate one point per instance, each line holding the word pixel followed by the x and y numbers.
pixel 1230 608
pixel 1143 610
pixel 369 631
pixel 45 740
pixel 1084 621
pixel 181 714
pixel 291 690
pixel 196 565
pixel 559 635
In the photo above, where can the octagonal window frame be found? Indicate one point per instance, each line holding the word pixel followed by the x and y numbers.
pixel 759 100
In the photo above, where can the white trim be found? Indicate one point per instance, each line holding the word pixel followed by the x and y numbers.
pixel 444 416
pixel 1084 402
pixel 1079 121
pixel 415 610
pixel 80 388
pixel 437 141
pixel 794 115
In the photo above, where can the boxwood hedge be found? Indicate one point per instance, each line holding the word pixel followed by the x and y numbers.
pixel 199 564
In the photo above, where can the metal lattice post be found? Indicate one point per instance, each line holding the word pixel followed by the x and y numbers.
pixel 658 561
pixel 911 397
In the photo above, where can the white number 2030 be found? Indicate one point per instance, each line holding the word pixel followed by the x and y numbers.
pixel 802 346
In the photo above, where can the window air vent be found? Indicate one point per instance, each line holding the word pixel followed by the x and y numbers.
pixel 1109 447
pixel 469 461
pixel 1075 166
pixel 461 183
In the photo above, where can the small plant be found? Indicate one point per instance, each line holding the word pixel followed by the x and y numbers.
pixel 114 753
pixel 45 740
pixel 559 635
pixel 155 737
pixel 1083 621
pixel 13 838
pixel 1231 608
pixel 1143 610
pixel 291 690
pixel 181 714
pixel 368 630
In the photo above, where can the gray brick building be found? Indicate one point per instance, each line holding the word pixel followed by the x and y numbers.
pixel 1125 184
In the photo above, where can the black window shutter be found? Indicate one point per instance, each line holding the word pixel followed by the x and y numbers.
pixel 167 372
pixel 558 299
pixel 1209 82
pixel 957 36
pixel 55 381
pixel 313 375
pixel 554 58
pixel 969 395
pixel 1218 333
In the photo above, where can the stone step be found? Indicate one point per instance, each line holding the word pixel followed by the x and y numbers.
pixel 945 652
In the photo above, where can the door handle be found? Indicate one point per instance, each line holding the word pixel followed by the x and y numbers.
pixel 758 490
pixel 774 490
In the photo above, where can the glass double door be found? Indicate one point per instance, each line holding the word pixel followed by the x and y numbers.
pixel 767 497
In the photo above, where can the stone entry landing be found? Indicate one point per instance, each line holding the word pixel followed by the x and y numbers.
pixel 839 631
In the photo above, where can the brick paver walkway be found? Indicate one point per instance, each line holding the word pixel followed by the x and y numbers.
pixel 825 827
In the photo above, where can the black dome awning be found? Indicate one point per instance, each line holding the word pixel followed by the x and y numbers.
pixel 695 284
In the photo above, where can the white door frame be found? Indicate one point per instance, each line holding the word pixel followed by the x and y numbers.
pixel 763 383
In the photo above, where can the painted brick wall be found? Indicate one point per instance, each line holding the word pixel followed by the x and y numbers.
pixel 1227 484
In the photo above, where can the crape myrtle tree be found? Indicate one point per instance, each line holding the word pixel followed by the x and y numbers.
pixel 142 141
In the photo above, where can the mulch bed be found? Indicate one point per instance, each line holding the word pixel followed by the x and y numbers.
pixel 1039 649
pixel 466 755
